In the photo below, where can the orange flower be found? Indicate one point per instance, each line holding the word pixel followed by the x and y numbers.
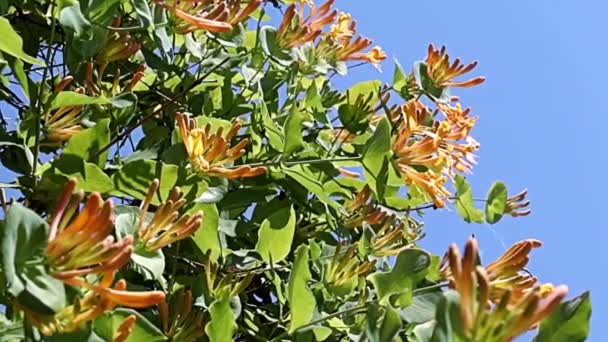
pixel 497 317
pixel 63 123
pixel 361 210
pixel 166 226
pixel 209 153
pixel 208 15
pixel 297 29
pixel 124 329
pixel 442 73
pixel 517 205
pixel 119 45
pixel 81 242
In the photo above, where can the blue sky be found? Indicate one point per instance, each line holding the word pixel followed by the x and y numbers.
pixel 541 122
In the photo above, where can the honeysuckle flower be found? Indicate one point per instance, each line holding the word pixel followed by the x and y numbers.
pixel 81 241
pixel 229 284
pixel 118 85
pixel 361 209
pixel 344 270
pixel 433 184
pixel 180 320
pixel 63 123
pixel 119 45
pixel 518 205
pixel 442 73
pixel 208 15
pixel 298 28
pixel 210 152
pixel 166 225
pixel 487 317
pixel 124 329
pixel 458 121
pixel 96 300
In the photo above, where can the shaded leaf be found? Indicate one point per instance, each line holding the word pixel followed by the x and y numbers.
pixel 301 300
pixel 12 44
pixel 496 202
pixel 276 235
pixel 568 323
pixel 376 158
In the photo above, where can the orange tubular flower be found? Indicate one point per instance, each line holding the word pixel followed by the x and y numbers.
pixel 497 319
pixel 209 153
pixel 361 209
pixel 442 73
pixel 125 328
pixel 119 45
pixel 63 123
pixel 517 205
pixel 81 243
pixel 166 226
pixel 208 15
pixel 296 29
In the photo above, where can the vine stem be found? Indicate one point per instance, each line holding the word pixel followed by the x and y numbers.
pixel 300 162
pixel 47 61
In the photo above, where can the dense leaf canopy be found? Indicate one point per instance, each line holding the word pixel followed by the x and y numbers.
pixel 186 170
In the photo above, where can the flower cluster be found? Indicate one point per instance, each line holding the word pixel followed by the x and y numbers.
pixel 166 226
pixel 64 122
pixel 345 270
pixel 210 152
pixel 80 249
pixel 390 235
pixel 306 23
pixel 208 15
pixel 119 45
pixel 499 302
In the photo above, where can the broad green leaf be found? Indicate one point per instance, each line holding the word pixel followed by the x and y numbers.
pixel 568 323
pixel 271 48
pixel 448 327
pixel 71 98
pixel 376 158
pixel 16 157
pixel 275 136
pixel 368 90
pixel 276 235
pixel 425 83
pixel 16 65
pixel 396 286
pixel 23 237
pixel 106 326
pixel 387 330
pixel 303 176
pixel 207 237
pixel 464 201
pixel 70 16
pixel 423 308
pixel 134 179
pixel 88 143
pixel 293 132
pixel 222 325
pixel 12 44
pixel 496 202
pixel 89 176
pixel 301 300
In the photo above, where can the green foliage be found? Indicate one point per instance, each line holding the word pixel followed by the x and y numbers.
pixel 208 178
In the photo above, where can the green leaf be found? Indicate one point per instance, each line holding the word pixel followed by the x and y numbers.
pixel 568 323
pixel 396 286
pixel 303 176
pixel 376 158
pixel 87 144
pixel 134 179
pixel 423 307
pixel 271 129
pixel 16 65
pixel 388 329
pixel 89 176
pixel 293 132
pixel 71 98
pixel 301 300
pixel 464 201
pixel 12 44
pixel 70 16
pixel 276 235
pixel 106 326
pixel 207 237
pixel 222 325
pixel 271 48
pixel 448 327
pixel 23 239
pixel 144 13
pixel 496 203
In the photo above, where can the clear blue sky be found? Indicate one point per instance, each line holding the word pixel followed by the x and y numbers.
pixel 541 127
